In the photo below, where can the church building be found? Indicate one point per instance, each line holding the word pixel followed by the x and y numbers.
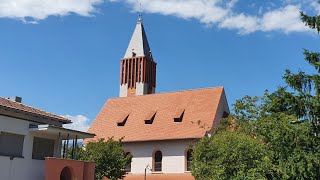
pixel 158 129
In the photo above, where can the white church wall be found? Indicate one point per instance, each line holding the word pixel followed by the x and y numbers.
pixel 173 153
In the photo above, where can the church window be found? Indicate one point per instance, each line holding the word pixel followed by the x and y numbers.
pixel 157 161
pixel 150 117
pixel 128 166
pixel 123 119
pixel 188 159
pixel 179 115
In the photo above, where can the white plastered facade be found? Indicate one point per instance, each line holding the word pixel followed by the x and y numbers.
pixel 173 155
pixel 124 90
pixel 25 168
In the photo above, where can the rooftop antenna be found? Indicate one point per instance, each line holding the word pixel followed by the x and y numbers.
pixel 140 11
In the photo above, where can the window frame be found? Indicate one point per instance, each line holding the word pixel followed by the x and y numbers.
pixel 186 167
pixel 129 165
pixel 154 169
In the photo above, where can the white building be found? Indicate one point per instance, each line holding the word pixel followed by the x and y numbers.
pixel 28 136
pixel 157 129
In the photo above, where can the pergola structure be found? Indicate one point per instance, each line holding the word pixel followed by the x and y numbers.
pixel 64 135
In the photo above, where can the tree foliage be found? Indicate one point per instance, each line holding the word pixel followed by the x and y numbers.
pixel 276 136
pixel 312 21
pixel 230 155
pixel 109 156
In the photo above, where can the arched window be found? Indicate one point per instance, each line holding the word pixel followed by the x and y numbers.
pixel 128 166
pixel 188 159
pixel 157 158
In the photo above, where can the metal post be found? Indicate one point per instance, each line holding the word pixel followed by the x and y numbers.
pixel 72 152
pixel 66 156
pixel 58 148
pixel 75 150
pixel 64 149
pixel 145 173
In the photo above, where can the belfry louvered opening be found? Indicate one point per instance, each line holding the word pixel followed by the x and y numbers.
pixel 179 115
pixel 123 119
pixel 150 117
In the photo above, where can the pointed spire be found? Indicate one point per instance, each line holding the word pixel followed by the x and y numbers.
pixel 139 44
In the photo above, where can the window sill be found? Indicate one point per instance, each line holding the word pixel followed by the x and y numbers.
pixel 187 172
pixel 156 172
pixel 11 157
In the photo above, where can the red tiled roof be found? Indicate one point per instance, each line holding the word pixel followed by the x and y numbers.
pixel 10 104
pixel 198 105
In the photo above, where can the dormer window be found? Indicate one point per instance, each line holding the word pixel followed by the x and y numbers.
pixel 178 115
pixel 123 119
pixel 150 117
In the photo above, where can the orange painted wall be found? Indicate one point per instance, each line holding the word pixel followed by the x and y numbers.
pixel 80 170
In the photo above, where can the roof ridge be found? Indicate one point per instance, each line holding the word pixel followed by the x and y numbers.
pixel 169 92
pixel 43 111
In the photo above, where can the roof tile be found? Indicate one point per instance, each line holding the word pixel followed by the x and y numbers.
pixel 7 103
pixel 199 105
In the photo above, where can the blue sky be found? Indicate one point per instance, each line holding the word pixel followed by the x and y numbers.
pixel 63 56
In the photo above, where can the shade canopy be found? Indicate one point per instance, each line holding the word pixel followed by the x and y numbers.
pixel 65 134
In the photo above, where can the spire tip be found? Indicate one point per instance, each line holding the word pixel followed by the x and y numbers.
pixel 140 13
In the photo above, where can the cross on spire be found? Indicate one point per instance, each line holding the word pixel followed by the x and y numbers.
pixel 140 11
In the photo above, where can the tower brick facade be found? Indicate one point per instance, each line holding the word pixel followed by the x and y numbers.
pixel 137 68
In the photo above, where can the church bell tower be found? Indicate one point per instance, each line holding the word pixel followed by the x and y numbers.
pixel 138 69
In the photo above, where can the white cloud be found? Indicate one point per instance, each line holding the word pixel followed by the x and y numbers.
pixel 207 11
pixel 281 15
pixel 285 19
pixel 223 14
pixel 79 122
pixel 41 9
pixel 244 24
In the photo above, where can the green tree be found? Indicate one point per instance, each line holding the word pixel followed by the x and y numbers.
pixel 294 148
pixel 307 85
pixel 283 127
pixel 109 156
pixel 312 21
pixel 230 155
